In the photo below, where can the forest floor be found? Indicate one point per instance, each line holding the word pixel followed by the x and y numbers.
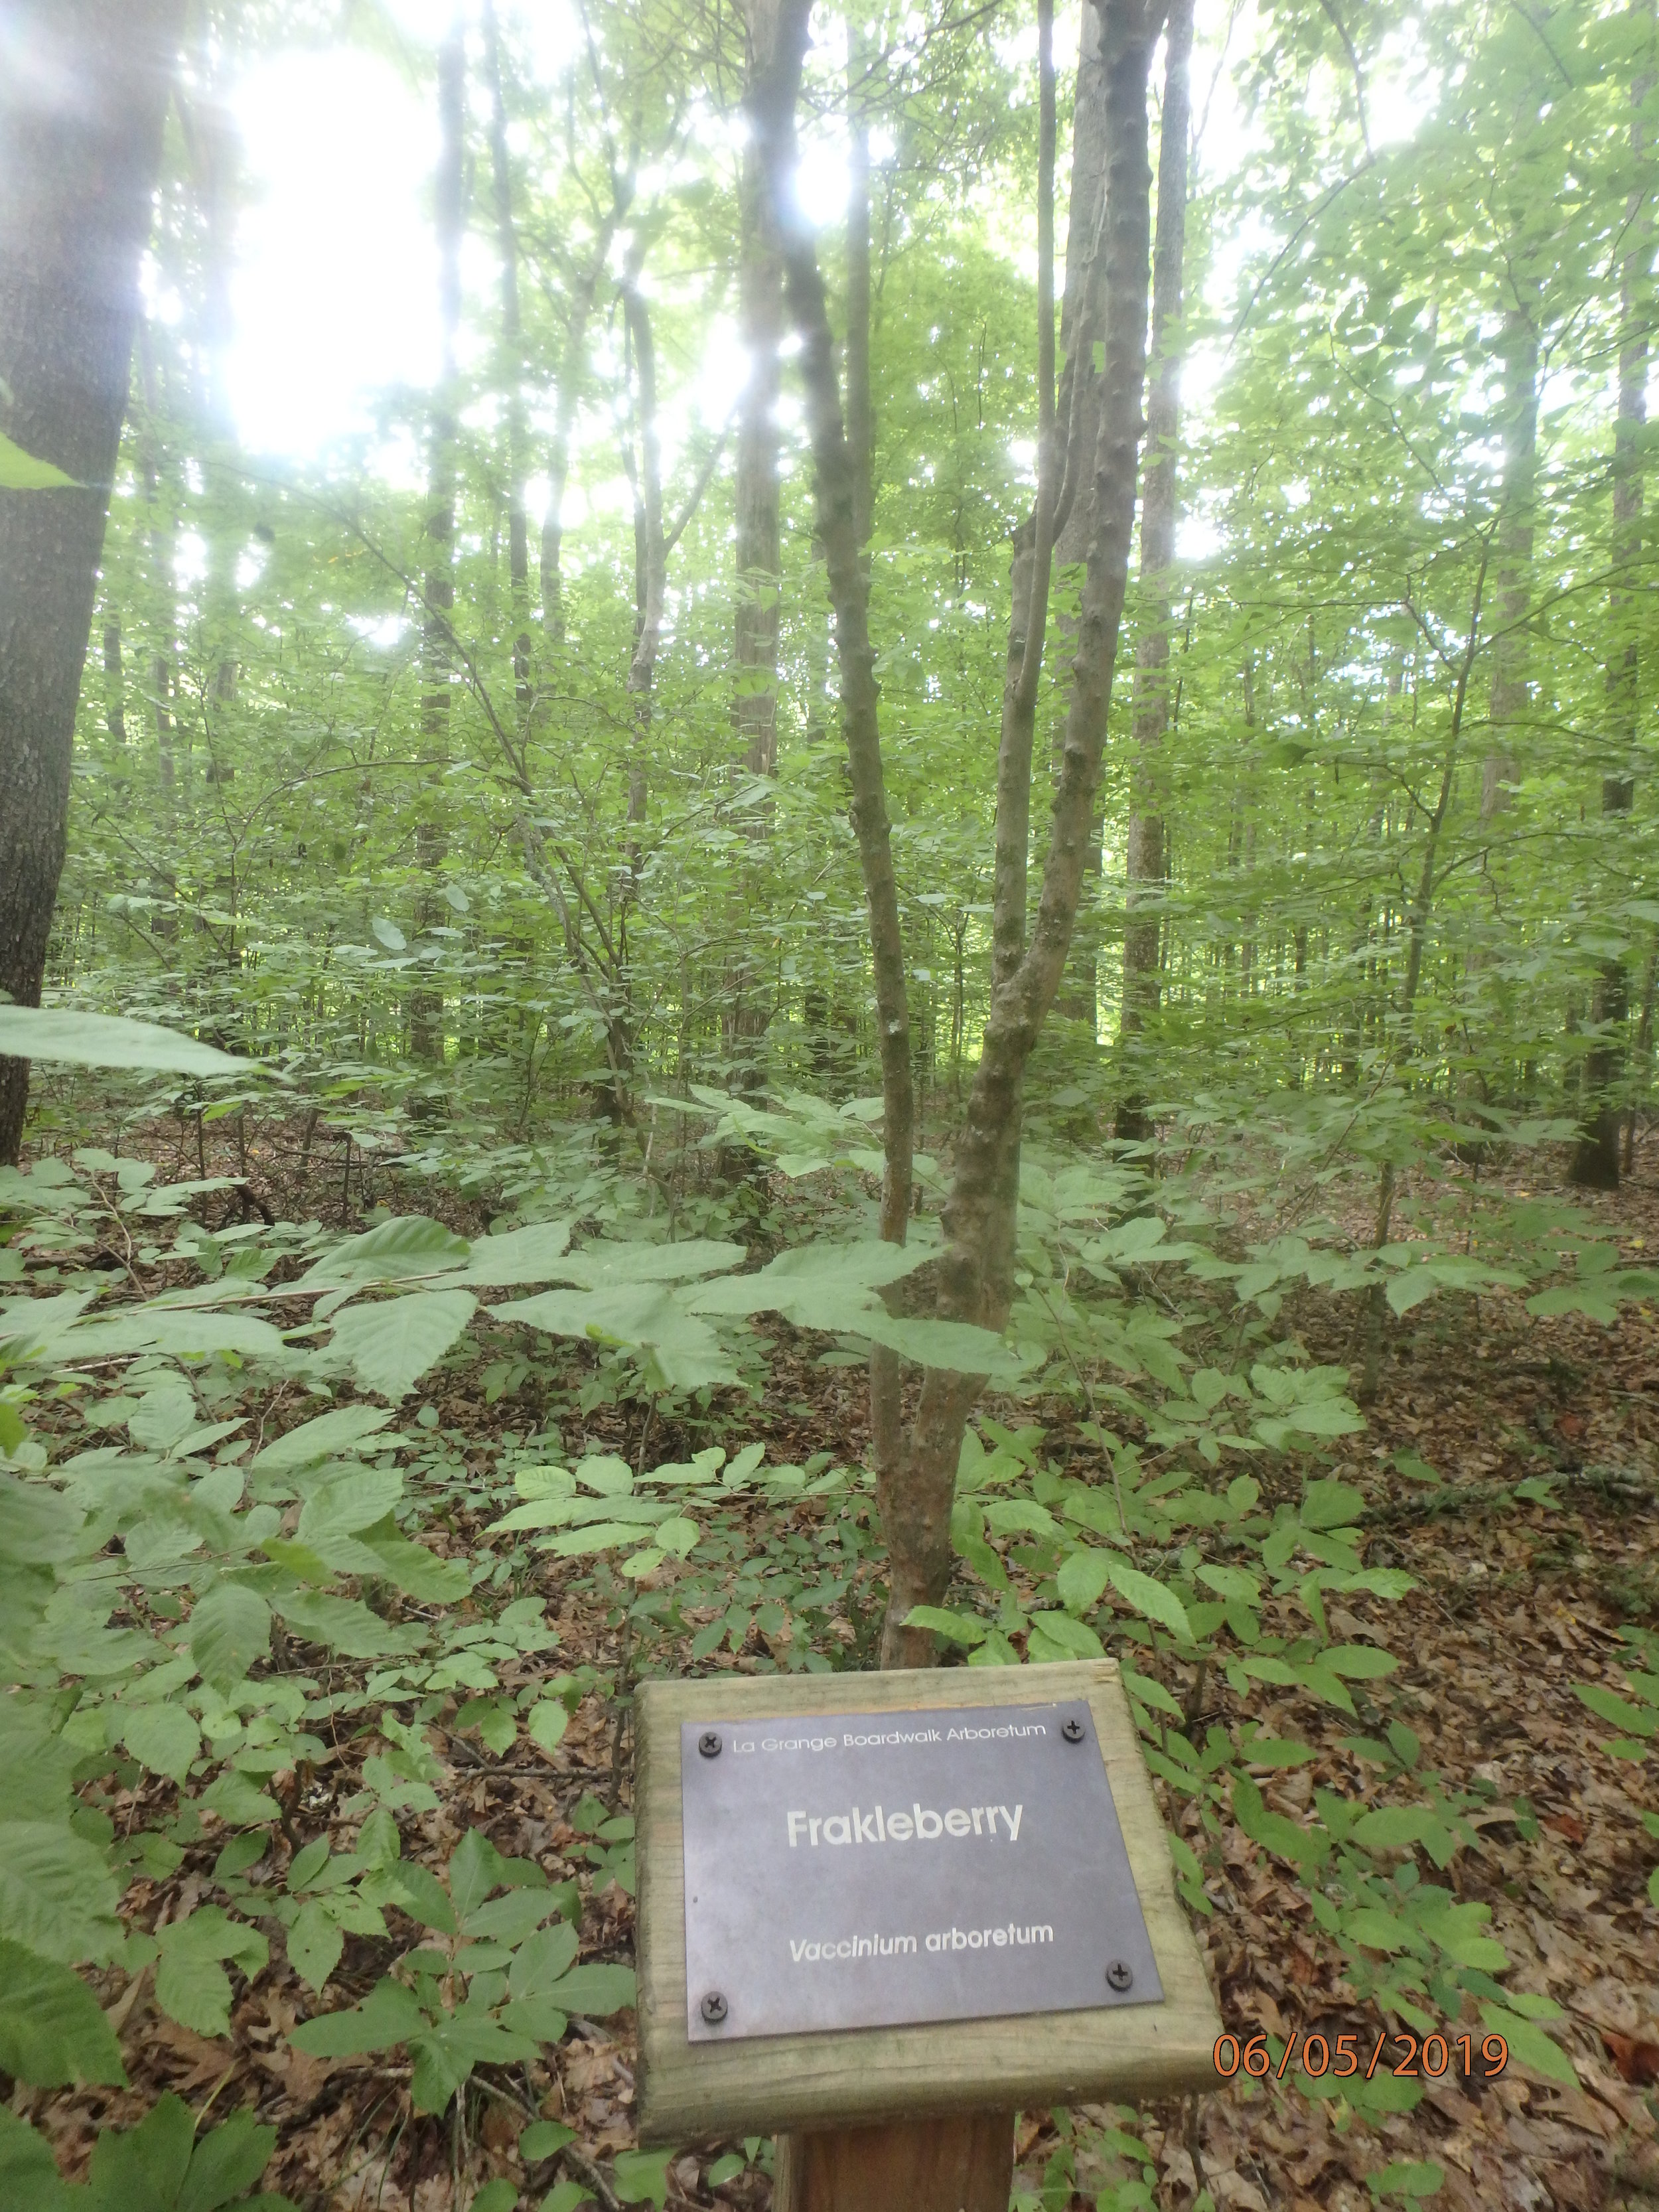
pixel 1514 1605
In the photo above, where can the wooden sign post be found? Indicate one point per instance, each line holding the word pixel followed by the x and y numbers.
pixel 880 1913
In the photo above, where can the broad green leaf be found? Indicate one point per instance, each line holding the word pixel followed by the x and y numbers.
pixel 57 1895
pixel 956 1628
pixel 162 1737
pixel 392 1342
pixel 230 1629
pixel 546 1723
pixel 350 1502
pixel 1606 1707
pixel 237 1803
pixel 1082 1580
pixel 314 1943
pixel 29 2179
pixel 643 1316
pixel 53 2030
pixel 597 1991
pixel 409 1244
pixel 343 1624
pixel 325 1438
pixel 190 1985
pixel 51 1033
pixel 22 471
pixel 1530 2045
pixel 1149 1598
pixel 388 2015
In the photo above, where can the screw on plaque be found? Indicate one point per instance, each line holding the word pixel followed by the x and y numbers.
pixel 1072 1730
pixel 714 2007
pixel 709 1744
pixel 1119 1975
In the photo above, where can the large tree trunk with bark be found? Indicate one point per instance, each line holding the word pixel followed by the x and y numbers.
pixel 82 99
pixel 1148 858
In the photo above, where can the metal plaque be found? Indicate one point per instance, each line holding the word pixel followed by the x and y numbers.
pixel 867 1869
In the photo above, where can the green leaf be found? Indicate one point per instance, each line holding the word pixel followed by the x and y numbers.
pixel 643 1317
pixel 343 1624
pixel 641 2175
pixel 409 1244
pixel 227 2162
pixel 1149 1598
pixel 51 1033
pixel 542 2138
pixel 350 1502
pixel 389 934
pixel 1606 1707
pixel 162 1737
pixel 1528 2043
pixel 1411 2178
pixel 314 1943
pixel 1082 1580
pixel 22 471
pixel 1055 1636
pixel 546 1723
pixel 57 1895
pixel 597 1991
pixel 496 2196
pixel 29 2179
pixel 230 1629
pixel 190 1985
pixel 53 2030
pixel 392 1342
pixel 1397 1827
pixel 388 2015
pixel 958 1627
pixel 237 1803
pixel 325 1438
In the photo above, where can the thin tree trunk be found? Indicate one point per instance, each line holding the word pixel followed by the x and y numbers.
pixel 1417 936
pixel 976 1274
pixel 760 284
pixel 438 637
pixel 512 360
pixel 1595 1158
pixel 1511 688
pixel 976 1271
pixel 572 380
pixel 771 109
pixel 1147 865
pixel 80 151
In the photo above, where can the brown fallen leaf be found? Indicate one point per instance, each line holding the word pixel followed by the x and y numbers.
pixel 1637 2062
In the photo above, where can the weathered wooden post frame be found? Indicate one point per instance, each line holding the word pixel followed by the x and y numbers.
pixel 917 2115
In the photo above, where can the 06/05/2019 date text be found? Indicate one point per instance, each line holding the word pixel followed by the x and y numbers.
pixel 1344 2056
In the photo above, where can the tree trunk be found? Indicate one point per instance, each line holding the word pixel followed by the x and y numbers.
pixel 83 99
pixel 976 1274
pixel 760 284
pixel 511 361
pixel 1595 1158
pixel 976 1271
pixel 426 1022
pixel 1511 690
pixel 771 109
pixel 1147 863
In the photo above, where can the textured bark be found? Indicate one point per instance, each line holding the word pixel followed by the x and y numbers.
pixel 512 358
pixel 438 636
pixel 1147 857
pixel 82 99
pixel 1595 1158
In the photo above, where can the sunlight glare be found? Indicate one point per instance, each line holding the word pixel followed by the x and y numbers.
pixel 335 289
